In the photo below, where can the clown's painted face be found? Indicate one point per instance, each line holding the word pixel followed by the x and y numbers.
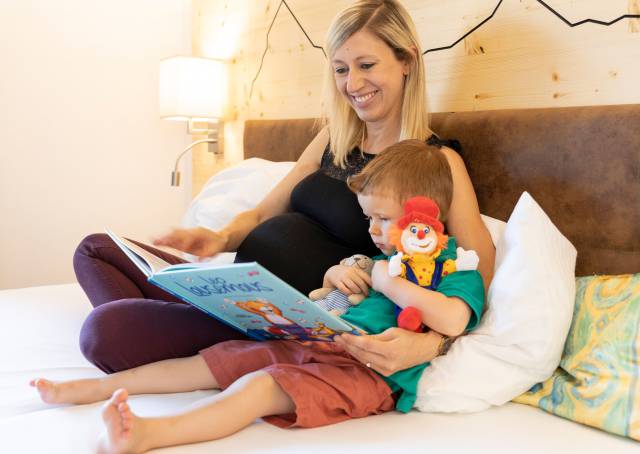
pixel 418 238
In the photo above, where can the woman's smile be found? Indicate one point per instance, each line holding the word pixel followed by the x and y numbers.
pixel 362 101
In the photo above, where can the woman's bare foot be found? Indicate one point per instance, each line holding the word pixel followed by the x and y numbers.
pixel 124 430
pixel 70 392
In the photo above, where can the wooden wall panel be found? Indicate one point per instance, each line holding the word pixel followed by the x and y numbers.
pixel 523 57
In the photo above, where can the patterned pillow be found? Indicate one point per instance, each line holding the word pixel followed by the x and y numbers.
pixel 598 381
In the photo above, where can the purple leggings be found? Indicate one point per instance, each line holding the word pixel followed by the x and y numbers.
pixel 134 322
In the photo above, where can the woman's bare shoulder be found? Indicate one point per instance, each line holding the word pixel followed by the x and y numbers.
pixel 312 155
pixel 454 159
pixel 464 203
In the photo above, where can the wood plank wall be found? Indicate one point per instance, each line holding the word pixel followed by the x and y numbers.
pixel 523 57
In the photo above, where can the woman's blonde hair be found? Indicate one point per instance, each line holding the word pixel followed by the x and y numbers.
pixel 390 22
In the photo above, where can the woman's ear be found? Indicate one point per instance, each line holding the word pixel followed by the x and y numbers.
pixel 412 56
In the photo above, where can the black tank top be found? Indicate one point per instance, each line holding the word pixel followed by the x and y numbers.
pixel 325 198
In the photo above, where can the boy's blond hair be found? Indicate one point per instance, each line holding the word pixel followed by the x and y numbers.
pixel 407 169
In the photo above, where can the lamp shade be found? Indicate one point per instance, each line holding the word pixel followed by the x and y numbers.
pixel 192 88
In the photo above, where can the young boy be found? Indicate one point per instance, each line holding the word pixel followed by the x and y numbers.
pixel 285 382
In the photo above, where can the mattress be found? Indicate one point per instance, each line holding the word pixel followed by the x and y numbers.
pixel 39 329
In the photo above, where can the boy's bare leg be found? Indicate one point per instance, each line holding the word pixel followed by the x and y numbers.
pixel 250 397
pixel 172 375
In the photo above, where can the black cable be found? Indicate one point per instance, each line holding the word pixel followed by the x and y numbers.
pixel 266 49
pixel 584 21
pixel 303 30
pixel 435 49
pixel 267 46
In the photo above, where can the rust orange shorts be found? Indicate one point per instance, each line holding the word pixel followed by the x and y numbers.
pixel 326 384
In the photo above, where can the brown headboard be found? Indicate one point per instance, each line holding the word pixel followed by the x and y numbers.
pixel 278 140
pixel 581 164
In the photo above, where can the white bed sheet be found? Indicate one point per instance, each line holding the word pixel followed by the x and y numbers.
pixel 39 329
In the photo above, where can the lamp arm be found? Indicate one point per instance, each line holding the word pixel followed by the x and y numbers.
pixel 175 176
pixel 175 168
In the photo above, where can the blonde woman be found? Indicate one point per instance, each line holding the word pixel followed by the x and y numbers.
pixel 375 97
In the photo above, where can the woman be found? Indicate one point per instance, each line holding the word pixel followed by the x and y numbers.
pixel 375 96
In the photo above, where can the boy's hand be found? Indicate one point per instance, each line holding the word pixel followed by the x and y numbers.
pixel 380 275
pixel 347 279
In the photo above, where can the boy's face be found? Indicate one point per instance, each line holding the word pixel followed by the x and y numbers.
pixel 382 213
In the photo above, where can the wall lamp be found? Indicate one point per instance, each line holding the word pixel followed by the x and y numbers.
pixel 194 89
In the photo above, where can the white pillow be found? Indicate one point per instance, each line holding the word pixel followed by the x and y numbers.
pixel 495 227
pixel 230 192
pixel 520 338
pixel 233 190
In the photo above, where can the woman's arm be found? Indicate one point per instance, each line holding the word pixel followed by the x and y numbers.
pixel 205 243
pixel 277 201
pixel 464 221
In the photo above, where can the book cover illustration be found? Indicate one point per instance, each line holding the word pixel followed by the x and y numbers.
pixel 245 296
pixel 253 300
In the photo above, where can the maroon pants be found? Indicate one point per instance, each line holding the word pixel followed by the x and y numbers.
pixel 134 322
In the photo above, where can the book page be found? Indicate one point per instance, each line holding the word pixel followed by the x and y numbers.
pixel 147 262
pixel 155 263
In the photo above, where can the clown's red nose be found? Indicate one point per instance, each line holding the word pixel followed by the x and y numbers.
pixel 421 234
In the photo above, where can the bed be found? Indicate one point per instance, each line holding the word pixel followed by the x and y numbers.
pixel 582 165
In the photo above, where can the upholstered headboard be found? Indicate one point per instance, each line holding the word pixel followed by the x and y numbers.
pixel 582 165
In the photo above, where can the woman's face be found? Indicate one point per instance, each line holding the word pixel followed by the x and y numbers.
pixel 370 77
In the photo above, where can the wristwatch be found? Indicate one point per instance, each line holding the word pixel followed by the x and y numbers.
pixel 445 345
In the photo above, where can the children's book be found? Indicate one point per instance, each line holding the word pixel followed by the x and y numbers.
pixel 246 296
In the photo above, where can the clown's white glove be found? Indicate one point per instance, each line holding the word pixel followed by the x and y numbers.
pixel 395 265
pixel 467 260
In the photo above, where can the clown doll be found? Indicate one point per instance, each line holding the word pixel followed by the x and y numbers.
pixel 419 238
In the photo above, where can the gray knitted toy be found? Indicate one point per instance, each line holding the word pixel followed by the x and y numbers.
pixel 332 299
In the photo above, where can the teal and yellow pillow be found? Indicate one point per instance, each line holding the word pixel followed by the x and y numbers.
pixel 598 381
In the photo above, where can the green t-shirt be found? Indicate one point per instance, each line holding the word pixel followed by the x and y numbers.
pixel 376 313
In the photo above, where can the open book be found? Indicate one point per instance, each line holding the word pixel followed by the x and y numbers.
pixel 245 296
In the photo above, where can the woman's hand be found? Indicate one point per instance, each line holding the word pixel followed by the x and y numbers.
pixel 392 350
pixel 347 279
pixel 197 241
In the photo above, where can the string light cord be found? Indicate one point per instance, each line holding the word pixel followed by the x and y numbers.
pixel 435 49
pixel 304 31
pixel 584 21
pixel 266 48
